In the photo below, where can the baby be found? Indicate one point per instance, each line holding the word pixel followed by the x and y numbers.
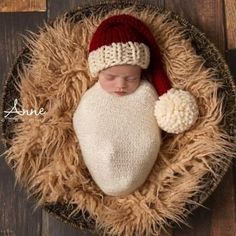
pixel 117 130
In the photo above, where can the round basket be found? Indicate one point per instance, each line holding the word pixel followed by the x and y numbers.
pixel 203 47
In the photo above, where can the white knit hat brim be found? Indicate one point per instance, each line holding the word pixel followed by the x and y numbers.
pixel 131 53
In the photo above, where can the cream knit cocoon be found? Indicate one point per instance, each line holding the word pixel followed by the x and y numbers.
pixel 118 136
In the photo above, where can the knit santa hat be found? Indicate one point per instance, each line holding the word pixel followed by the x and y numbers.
pixel 123 39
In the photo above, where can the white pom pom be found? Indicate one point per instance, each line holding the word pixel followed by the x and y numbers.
pixel 176 111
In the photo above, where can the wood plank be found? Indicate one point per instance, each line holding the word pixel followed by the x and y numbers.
pixel 224 210
pixel 231 58
pixel 16 212
pixel 198 222
pixel 230 18
pixel 207 15
pixel 22 5
pixel 7 198
pixel 16 216
pixel 53 226
pixel 219 217
pixel 55 9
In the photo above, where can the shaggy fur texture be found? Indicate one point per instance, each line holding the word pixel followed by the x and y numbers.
pixel 45 151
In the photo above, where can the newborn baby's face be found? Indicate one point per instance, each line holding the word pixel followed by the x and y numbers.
pixel 120 80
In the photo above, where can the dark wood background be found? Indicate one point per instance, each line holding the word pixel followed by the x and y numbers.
pixel 216 18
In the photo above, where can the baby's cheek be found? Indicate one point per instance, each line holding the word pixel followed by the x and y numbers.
pixel 110 86
pixel 133 87
pixel 105 85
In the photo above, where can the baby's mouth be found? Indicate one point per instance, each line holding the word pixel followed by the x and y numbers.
pixel 120 93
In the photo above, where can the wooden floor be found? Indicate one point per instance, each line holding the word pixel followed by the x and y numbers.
pixel 216 18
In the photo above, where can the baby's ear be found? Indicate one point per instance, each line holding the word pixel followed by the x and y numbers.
pixel 176 111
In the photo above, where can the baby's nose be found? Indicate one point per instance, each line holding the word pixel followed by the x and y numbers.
pixel 121 83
